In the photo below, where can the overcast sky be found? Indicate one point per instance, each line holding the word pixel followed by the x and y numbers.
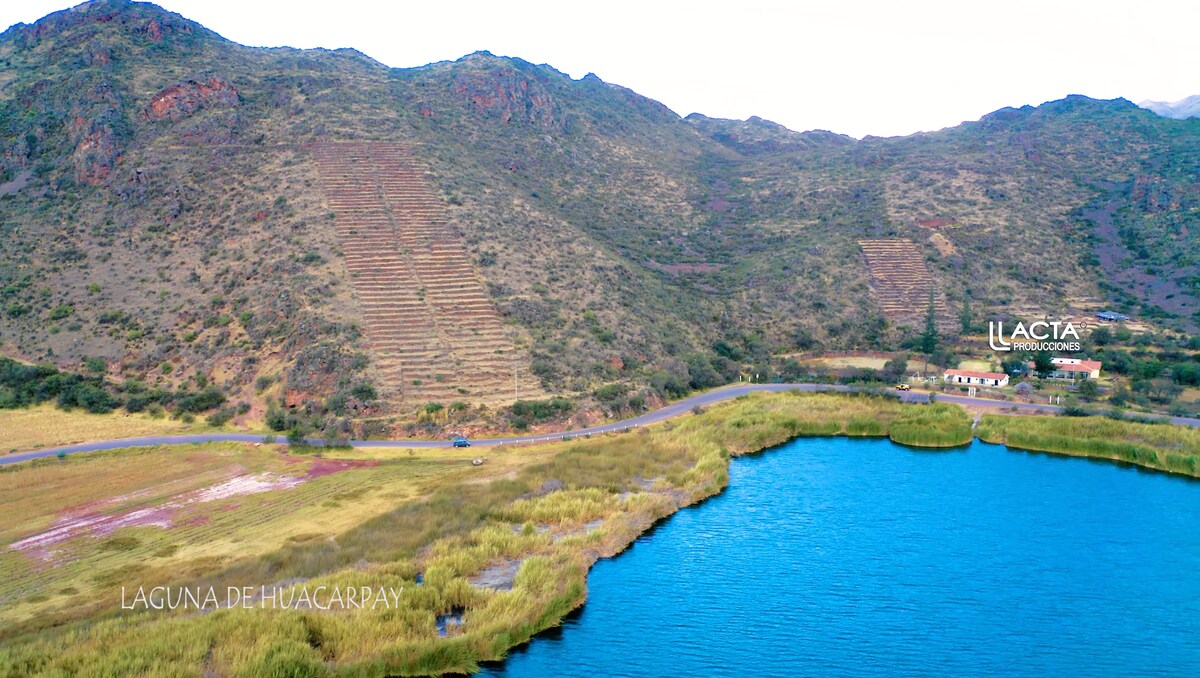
pixel 852 66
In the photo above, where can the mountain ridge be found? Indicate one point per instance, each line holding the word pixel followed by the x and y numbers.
pixel 168 189
pixel 1188 107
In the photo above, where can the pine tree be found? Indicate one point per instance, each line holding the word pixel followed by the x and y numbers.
pixel 929 338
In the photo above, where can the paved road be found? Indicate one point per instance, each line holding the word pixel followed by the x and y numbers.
pixel 666 412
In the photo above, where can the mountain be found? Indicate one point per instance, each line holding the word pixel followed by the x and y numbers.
pixel 1184 108
pixel 314 227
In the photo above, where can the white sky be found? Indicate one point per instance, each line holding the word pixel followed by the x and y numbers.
pixel 852 66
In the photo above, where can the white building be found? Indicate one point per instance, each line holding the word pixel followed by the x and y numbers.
pixel 1075 368
pixel 973 378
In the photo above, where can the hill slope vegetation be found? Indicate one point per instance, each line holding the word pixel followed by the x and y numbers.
pixel 163 210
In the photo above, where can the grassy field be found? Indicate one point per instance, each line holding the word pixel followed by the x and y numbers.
pixel 1157 446
pixel 425 520
pixel 47 426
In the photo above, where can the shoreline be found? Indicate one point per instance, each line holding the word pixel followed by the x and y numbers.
pixel 556 513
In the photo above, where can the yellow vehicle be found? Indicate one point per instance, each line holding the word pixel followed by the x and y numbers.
pixel 903 387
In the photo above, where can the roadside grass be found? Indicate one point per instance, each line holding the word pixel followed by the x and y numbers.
pixel 1163 447
pixel 45 425
pixel 547 511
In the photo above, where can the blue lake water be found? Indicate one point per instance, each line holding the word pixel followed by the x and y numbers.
pixel 839 557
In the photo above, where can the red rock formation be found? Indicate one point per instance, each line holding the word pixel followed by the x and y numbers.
pixel 95 155
pixel 507 95
pixel 179 101
pixel 154 30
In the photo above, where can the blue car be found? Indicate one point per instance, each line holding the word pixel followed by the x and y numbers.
pixel 461 442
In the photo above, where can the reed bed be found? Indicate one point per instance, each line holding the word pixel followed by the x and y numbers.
pixel 1163 447
pixel 548 511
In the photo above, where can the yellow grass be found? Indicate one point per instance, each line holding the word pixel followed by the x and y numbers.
pixel 851 361
pixel 976 365
pixel 47 426
pixel 552 509
pixel 33 496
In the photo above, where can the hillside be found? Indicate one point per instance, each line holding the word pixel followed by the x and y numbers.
pixel 355 240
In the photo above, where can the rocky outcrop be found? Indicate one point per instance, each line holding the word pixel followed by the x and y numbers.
pixel 497 90
pixel 94 132
pixel 95 154
pixel 180 101
pixel 144 20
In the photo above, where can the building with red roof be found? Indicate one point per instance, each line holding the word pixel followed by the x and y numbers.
pixel 973 378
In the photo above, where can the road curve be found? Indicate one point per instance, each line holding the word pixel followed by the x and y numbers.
pixel 666 412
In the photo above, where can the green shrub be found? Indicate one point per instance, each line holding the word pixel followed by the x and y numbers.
pixel 541 410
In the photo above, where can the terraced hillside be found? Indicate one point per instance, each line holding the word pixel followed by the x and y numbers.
pixel 901 282
pixel 428 319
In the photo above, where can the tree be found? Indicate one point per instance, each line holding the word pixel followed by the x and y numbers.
pixel 1017 364
pixel 1042 364
pixel 964 317
pixel 1088 390
pixel 896 367
pixel 929 338
pixel 804 338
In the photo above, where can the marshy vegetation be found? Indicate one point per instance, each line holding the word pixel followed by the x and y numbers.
pixel 485 557
pixel 1159 446
pixel 543 514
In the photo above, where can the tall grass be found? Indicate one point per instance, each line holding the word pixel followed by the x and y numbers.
pixel 1163 447
pixel 937 425
pixel 457 527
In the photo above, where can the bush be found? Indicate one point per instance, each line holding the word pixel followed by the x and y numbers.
pixel 610 392
pixel 277 419
pixel 701 374
pixel 540 410
pixel 668 385
pixel 88 396
pixel 199 402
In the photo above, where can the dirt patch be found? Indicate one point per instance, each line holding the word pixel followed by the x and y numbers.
pixel 943 245
pixel 584 529
pixel 96 524
pixel 323 467
pixel 498 576
pixel 18 182
pixel 678 269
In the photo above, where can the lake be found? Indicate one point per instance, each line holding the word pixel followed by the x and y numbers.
pixel 844 557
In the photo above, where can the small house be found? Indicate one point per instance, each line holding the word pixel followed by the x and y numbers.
pixel 973 378
pixel 1070 369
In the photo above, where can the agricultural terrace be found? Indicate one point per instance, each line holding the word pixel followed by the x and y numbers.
pixel 902 281
pixel 429 320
